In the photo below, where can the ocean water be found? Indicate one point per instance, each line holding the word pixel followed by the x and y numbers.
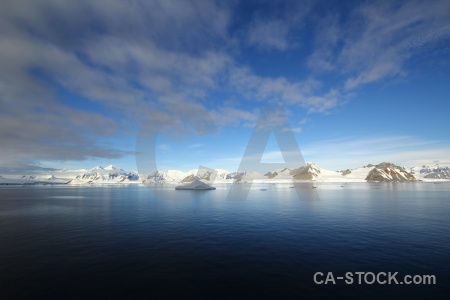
pixel 135 241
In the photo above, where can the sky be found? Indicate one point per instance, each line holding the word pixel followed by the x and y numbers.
pixel 82 82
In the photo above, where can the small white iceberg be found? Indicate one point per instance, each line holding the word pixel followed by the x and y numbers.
pixel 195 185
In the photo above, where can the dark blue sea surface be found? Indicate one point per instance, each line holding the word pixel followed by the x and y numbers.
pixel 135 241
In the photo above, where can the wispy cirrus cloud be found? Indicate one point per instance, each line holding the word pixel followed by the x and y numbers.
pixel 278 25
pixel 280 90
pixel 377 40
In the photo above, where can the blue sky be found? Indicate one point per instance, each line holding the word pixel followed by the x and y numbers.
pixel 360 81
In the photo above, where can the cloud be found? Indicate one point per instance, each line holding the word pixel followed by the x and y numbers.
pixel 281 91
pixel 377 39
pixel 269 35
pixel 277 25
pixel 133 62
pixel 294 129
pixel 194 146
pixel 227 115
pixel 164 147
pixel 75 73
pixel 357 152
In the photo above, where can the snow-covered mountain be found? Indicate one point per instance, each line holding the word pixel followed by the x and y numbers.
pixel 39 177
pixel 175 176
pixel 31 179
pixel 389 172
pixel 436 171
pixel 111 174
pixel 166 176
pixel 244 177
pixel 386 172
pixel 383 172
pixel 310 171
pixel 112 168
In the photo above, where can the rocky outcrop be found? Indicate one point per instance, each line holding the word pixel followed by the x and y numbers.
pixel 388 172
pixel 271 175
pixel 195 185
pixel 346 172
pixel 191 178
pixel 439 175
pixel 308 172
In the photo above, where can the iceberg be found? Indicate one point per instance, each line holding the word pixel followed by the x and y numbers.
pixel 195 185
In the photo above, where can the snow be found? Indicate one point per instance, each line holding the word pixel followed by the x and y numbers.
pixel 115 175
pixel 431 173
pixel 358 175
pixel 28 180
pixel 97 168
pixel 113 168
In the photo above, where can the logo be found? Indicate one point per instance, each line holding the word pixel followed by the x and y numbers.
pixel 271 120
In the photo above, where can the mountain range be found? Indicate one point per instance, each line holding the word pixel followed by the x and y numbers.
pixel 431 172
pixel 383 172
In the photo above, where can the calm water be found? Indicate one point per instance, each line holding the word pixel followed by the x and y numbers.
pixel 76 242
